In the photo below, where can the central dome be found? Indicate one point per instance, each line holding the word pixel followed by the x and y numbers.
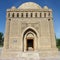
pixel 29 5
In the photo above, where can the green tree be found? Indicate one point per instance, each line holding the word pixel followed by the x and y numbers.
pixel 58 43
pixel 1 39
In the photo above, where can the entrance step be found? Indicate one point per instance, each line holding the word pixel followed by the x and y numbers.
pixel 24 58
pixel 29 54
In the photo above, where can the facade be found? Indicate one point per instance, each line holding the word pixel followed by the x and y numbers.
pixel 29 28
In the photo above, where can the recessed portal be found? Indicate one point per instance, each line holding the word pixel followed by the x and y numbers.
pixel 29 40
pixel 30 44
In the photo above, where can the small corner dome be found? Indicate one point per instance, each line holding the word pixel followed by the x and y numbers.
pixel 45 7
pixel 50 9
pixel 13 7
pixel 29 5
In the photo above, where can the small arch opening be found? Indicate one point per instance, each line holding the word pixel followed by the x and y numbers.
pixel 35 14
pixel 21 14
pixel 31 14
pixel 26 15
pixel 17 14
pixel 49 14
pixel 8 14
pixel 40 15
pixel 13 15
pixel 45 15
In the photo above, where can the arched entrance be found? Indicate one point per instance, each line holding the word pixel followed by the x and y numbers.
pixel 29 40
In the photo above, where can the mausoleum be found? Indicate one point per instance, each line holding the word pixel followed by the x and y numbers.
pixel 29 29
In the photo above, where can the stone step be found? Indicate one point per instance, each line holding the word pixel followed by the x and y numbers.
pixel 23 54
pixel 22 58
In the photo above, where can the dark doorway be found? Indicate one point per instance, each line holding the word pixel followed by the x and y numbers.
pixel 30 43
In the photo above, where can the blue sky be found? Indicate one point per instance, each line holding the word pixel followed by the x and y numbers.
pixel 53 4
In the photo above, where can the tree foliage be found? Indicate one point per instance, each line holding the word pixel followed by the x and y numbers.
pixel 58 42
pixel 1 38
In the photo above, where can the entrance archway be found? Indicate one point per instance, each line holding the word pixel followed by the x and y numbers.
pixel 30 40
pixel 30 44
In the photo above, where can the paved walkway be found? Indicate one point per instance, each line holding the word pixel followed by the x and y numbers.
pixel 0 50
pixel 22 58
